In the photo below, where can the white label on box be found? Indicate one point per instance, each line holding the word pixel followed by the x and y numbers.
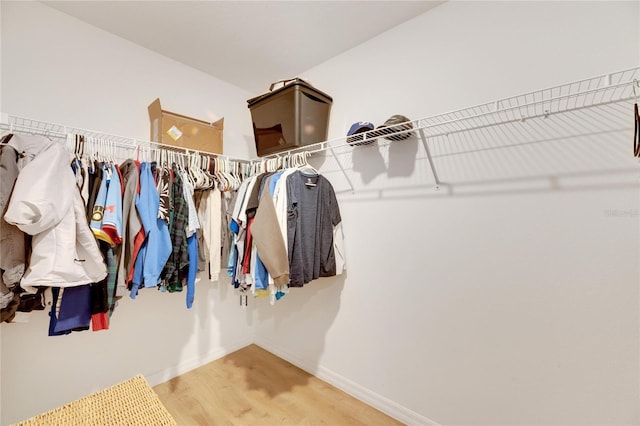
pixel 174 133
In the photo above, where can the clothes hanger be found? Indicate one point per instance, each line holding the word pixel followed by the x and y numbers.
pixel 99 150
pixel 104 151
pixel 94 151
pixel 233 172
pixel 198 179
pixel 206 167
pixel 209 171
pixel 193 170
pixel 222 178
pixel 228 173
pixel 237 175
pixel 72 140
pixel 89 152
pixel 204 172
pixel 6 138
pixel 111 151
pixel 150 155
pixel 82 141
pixel 306 168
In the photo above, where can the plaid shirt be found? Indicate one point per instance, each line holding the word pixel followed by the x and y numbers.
pixel 174 271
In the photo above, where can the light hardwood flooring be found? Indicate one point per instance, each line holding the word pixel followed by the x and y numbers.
pixel 254 387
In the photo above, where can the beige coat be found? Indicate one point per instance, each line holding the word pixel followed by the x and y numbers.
pixel 47 204
pixel 268 240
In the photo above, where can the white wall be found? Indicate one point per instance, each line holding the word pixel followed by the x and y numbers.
pixel 505 303
pixel 58 69
pixel 512 299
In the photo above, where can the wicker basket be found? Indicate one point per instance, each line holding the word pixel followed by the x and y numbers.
pixel 132 402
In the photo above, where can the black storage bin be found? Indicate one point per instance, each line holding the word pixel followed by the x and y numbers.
pixel 294 115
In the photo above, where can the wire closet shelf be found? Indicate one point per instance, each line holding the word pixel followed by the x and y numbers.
pixel 13 123
pixel 601 91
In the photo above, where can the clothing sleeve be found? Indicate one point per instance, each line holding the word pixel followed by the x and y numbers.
pixel 338 248
pixel 202 234
pixel 294 242
pixel 215 229
pixel 338 235
pixel 330 219
pixel 269 242
pixel 37 204
pixel 132 227
pixel 280 197
pixel 334 209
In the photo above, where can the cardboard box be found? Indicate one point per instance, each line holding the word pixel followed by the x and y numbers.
pixel 182 131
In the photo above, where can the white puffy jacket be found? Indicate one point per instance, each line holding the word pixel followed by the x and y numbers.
pixel 46 203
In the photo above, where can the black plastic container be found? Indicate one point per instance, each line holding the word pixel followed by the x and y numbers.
pixel 294 115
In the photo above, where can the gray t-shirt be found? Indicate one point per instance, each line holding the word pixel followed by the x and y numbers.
pixel 312 211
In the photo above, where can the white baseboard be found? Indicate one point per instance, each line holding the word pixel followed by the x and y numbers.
pixel 377 401
pixel 187 365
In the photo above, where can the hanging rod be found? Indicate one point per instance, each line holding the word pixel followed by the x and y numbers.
pixel 575 96
pixel 27 125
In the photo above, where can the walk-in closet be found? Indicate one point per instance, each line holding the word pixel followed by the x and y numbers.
pixel 384 212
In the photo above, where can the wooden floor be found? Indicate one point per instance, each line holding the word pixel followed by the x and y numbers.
pixel 254 387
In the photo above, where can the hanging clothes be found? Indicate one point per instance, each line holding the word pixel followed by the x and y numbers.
pixel 13 249
pixel 238 227
pixel 107 226
pixel 174 269
pixel 193 224
pixel 164 182
pixel 78 231
pixel 130 171
pixel 208 205
pixel 106 219
pixel 268 239
pixel 286 229
pixel 156 248
pixel 47 205
pixel 226 235
pixel 71 313
pixel 203 233
pixel 216 226
pixel 312 213
pixel 94 183
pixel 281 203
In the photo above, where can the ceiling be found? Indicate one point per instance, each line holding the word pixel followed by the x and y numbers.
pixel 247 43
